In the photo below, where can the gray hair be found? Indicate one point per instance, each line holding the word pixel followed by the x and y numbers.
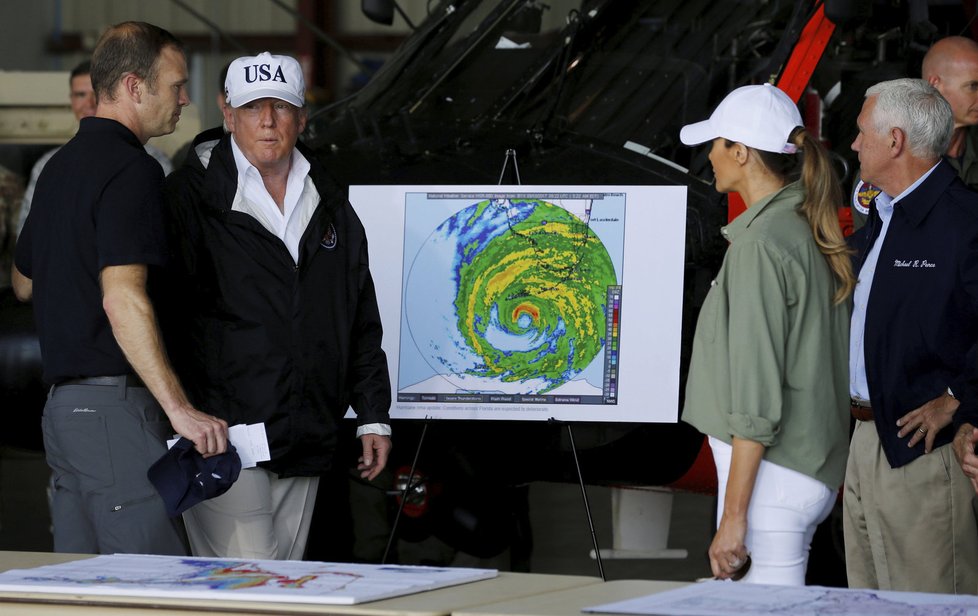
pixel 918 109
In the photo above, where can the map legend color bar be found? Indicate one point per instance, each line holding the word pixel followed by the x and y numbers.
pixel 612 337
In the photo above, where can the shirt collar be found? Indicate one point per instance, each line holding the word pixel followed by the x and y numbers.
pixel 912 187
pixel 96 125
pixel 921 196
pixel 299 167
pixel 786 197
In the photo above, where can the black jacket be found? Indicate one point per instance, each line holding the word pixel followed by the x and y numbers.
pixel 922 315
pixel 253 336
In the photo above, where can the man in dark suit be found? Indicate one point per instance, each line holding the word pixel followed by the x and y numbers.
pixel 908 520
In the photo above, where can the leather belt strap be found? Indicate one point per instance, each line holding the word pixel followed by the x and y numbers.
pixel 860 409
pixel 129 380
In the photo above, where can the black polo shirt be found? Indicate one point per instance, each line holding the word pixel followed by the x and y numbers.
pixel 97 204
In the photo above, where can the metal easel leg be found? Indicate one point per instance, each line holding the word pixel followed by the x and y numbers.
pixel 587 506
pixel 408 486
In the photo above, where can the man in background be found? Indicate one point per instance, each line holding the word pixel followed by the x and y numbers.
pixel 11 195
pixel 83 104
pixel 951 66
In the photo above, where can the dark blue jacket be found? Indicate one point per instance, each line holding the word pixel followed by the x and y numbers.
pixel 922 315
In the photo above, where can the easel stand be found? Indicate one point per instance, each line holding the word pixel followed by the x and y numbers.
pixel 510 154
pixel 587 506
pixel 411 482
pixel 597 553
pixel 408 486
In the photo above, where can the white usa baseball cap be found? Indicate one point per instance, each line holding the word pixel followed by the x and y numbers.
pixel 265 76
pixel 761 117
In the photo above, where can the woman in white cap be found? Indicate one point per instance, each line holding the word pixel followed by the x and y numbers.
pixel 768 380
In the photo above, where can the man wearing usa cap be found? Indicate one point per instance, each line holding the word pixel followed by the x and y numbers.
pixel 284 328
pixel 907 507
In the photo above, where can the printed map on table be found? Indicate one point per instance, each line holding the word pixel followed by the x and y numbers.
pixel 716 598
pixel 227 579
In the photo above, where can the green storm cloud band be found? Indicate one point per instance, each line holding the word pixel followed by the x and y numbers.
pixel 531 282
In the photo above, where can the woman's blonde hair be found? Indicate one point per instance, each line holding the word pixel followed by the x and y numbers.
pixel 823 197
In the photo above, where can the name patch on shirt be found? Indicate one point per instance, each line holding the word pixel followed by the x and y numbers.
pixel 913 263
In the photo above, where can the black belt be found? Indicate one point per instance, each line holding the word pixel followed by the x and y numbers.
pixel 127 380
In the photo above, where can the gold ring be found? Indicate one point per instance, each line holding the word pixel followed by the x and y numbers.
pixel 921 430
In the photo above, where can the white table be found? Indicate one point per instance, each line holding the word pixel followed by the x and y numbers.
pixel 441 602
pixel 569 601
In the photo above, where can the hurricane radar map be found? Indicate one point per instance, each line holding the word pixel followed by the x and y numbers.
pixel 528 302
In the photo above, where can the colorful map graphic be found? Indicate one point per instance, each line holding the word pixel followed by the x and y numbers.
pixel 130 575
pixel 508 294
pixel 216 575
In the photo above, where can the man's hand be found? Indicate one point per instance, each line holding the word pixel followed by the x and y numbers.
pixel 376 448
pixel 927 420
pixel 133 321
pixel 964 450
pixel 208 433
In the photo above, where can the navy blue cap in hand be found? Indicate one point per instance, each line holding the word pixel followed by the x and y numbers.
pixel 184 478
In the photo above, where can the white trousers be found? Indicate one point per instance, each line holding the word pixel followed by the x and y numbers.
pixel 785 508
pixel 262 516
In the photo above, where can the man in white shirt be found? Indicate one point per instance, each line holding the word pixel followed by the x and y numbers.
pixel 907 509
pixel 284 327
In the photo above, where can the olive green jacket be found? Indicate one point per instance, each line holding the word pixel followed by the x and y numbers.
pixel 967 165
pixel 770 354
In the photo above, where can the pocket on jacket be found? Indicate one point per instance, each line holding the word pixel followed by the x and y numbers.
pixel 706 324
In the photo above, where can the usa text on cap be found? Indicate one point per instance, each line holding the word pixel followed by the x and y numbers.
pixel 264 76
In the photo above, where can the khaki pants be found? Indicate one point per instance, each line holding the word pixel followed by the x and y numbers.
pixel 262 516
pixel 909 528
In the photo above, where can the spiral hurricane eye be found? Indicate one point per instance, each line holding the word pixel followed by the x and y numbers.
pixel 525 310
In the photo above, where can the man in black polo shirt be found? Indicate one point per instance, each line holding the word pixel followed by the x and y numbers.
pixel 83 256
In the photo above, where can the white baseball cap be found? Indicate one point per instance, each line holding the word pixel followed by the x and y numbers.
pixel 761 117
pixel 265 76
